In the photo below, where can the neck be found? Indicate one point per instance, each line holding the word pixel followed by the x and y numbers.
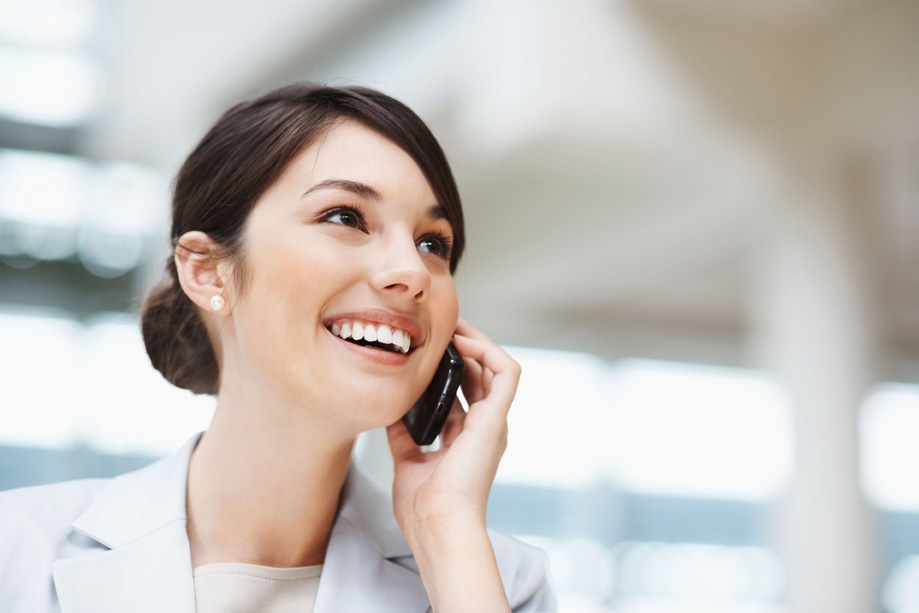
pixel 263 490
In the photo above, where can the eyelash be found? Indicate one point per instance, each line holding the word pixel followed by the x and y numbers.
pixel 446 242
pixel 326 216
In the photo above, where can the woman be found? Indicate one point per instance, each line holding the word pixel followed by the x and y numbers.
pixel 316 232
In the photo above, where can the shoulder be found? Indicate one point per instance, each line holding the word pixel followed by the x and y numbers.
pixel 44 512
pixel 524 572
pixel 35 531
pixel 65 494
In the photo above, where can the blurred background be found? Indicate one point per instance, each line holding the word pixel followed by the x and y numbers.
pixel 692 221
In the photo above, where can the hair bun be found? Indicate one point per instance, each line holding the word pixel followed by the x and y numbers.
pixel 177 341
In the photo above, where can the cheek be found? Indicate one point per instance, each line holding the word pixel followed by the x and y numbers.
pixel 289 282
pixel 448 306
pixel 444 312
pixel 300 267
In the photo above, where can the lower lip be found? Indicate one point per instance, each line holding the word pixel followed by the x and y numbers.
pixel 380 356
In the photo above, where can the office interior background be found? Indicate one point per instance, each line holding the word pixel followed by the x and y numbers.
pixel 693 222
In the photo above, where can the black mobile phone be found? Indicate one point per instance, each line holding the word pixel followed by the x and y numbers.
pixel 426 419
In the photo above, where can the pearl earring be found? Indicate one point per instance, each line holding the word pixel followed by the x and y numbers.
pixel 217 302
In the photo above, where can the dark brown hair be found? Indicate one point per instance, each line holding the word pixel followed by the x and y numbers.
pixel 234 164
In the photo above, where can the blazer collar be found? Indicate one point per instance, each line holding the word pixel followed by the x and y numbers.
pixel 144 561
pixel 368 564
pixel 367 505
pixel 139 503
pixel 140 518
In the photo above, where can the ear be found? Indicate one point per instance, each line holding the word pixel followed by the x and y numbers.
pixel 199 270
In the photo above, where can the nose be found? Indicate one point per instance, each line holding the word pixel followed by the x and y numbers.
pixel 401 272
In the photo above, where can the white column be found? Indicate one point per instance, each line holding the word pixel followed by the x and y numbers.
pixel 814 329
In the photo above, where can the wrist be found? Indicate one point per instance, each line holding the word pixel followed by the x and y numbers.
pixel 453 554
pixel 440 532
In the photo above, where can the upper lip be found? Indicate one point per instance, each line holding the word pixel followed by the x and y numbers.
pixel 379 316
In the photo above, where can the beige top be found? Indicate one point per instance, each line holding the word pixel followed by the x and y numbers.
pixel 245 588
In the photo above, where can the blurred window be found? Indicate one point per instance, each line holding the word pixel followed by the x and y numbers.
pixel 649 427
pixel 58 207
pixel 70 384
pixel 52 24
pixel 50 78
pixel 889 425
pixel 648 483
pixel 48 88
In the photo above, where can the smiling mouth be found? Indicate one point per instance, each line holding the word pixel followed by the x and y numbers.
pixel 378 336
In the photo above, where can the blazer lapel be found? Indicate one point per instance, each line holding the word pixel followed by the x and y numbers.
pixel 356 577
pixel 133 552
pixel 368 564
pixel 151 574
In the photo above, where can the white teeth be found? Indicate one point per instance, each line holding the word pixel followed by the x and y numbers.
pixel 370 333
pixel 399 339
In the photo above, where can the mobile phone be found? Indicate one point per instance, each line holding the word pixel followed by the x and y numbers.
pixel 426 419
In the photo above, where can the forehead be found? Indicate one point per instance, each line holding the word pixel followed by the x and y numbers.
pixel 351 151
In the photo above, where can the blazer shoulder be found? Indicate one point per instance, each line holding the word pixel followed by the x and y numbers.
pixel 525 573
pixel 35 521
pixel 35 531
pixel 47 506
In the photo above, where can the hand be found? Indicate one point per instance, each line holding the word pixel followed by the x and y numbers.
pixel 447 488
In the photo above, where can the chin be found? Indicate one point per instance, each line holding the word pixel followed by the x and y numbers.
pixel 372 407
pixel 360 401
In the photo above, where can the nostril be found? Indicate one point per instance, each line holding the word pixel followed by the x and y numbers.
pixel 405 282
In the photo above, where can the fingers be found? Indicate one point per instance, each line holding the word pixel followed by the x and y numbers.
pixel 486 350
pixel 472 382
pixel 499 372
pixel 454 424
pixel 401 444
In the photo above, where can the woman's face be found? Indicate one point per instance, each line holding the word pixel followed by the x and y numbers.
pixel 349 239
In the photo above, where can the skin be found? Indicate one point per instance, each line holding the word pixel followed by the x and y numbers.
pixel 286 417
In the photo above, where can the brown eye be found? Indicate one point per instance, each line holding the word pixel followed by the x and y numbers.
pixel 436 245
pixel 345 216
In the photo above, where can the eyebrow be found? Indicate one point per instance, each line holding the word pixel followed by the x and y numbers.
pixel 438 212
pixel 363 190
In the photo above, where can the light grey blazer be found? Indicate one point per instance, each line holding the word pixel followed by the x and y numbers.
pixel 118 545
